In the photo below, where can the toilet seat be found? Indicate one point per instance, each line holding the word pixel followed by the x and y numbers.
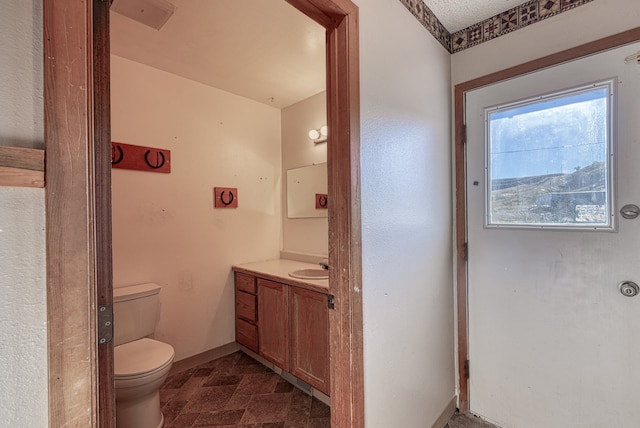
pixel 141 358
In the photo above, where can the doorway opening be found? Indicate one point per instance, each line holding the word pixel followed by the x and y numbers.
pixel 79 206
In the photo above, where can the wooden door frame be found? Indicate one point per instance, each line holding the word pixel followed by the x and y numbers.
pixel 78 209
pixel 460 91
pixel 340 19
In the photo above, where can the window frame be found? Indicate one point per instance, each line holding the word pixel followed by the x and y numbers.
pixel 611 118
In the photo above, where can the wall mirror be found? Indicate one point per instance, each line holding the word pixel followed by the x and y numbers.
pixel 306 191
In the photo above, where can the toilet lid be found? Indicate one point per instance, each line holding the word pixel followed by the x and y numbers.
pixel 141 356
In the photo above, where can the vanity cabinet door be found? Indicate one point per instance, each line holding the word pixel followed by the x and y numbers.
pixel 310 337
pixel 273 322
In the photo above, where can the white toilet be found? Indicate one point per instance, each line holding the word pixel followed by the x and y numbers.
pixel 141 363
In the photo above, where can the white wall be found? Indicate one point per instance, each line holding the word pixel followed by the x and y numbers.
pixel 21 86
pixel 303 235
pixel 165 228
pixel 23 308
pixel 23 305
pixel 406 219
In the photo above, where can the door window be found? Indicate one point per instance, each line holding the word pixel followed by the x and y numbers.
pixel 549 160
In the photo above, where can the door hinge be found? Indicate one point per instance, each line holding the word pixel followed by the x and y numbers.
pixel 465 251
pixel 463 132
pixel 466 369
pixel 330 301
pixel 105 324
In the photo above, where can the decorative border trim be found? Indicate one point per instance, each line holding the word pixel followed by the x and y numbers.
pixel 430 21
pixel 510 20
pixel 505 22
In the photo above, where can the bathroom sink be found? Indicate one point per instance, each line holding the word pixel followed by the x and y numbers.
pixel 310 274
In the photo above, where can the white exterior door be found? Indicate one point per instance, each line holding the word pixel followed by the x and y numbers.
pixel 552 341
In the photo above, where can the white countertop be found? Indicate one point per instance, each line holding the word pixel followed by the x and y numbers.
pixel 278 270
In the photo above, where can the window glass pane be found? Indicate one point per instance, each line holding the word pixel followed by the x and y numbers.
pixel 548 161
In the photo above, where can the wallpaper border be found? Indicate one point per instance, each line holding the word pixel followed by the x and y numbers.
pixel 505 22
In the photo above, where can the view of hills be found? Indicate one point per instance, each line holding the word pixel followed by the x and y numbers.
pixel 576 197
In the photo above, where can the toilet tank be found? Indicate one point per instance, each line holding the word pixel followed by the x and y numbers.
pixel 135 312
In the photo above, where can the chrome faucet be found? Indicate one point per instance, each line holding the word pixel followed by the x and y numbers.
pixel 324 264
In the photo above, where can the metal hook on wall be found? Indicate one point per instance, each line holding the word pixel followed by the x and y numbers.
pixel 117 154
pixel 230 198
pixel 160 160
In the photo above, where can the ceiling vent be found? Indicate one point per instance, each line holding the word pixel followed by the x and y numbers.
pixel 152 13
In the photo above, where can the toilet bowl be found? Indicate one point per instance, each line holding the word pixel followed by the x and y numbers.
pixel 141 364
pixel 141 367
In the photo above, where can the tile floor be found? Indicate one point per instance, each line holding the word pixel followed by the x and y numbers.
pixel 238 391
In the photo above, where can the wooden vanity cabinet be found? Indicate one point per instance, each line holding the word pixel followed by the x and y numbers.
pixel 246 311
pixel 286 325
pixel 309 337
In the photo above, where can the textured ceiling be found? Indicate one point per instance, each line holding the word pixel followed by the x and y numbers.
pixel 456 15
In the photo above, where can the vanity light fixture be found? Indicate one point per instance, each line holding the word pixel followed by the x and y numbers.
pixel 633 58
pixel 319 135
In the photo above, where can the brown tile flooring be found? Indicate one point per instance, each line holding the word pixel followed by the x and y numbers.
pixel 238 391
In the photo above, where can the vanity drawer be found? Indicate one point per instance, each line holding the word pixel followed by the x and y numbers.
pixel 246 306
pixel 246 283
pixel 247 334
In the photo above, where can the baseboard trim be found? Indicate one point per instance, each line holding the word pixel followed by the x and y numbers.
pixel 446 414
pixel 204 357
